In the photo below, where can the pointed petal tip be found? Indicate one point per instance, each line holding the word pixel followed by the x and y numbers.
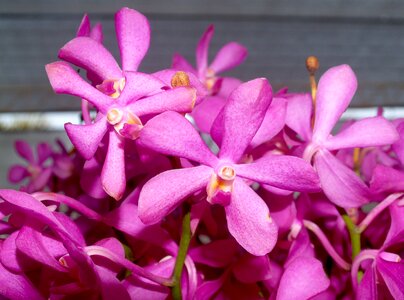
pixel 57 73
pixel 133 33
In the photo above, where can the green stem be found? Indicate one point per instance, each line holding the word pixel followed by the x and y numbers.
pixel 355 240
pixel 182 253
pixel 354 235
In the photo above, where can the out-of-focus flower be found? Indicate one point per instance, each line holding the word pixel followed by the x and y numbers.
pixel 219 88
pixel 38 171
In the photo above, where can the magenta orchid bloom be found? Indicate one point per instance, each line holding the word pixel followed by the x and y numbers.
pixel 36 171
pixel 385 275
pixel 293 209
pixel 228 57
pixel 239 271
pixel 219 88
pixel 335 91
pixel 224 177
pixel 121 99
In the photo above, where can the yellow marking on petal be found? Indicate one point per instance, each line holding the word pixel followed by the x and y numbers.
pixel 118 87
pixel 210 79
pixel 133 119
pixel 222 181
pixel 112 87
pixel 193 101
pixel 63 262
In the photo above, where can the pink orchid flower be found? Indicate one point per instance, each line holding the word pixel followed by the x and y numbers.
pixel 248 217
pixel 121 99
pixel 219 88
pixel 335 91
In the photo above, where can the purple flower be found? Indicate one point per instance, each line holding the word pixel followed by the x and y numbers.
pixel 335 91
pixel 224 177
pixel 122 98
pixel 37 170
pixel 384 277
pixel 239 271
pixel 228 57
pixel 219 88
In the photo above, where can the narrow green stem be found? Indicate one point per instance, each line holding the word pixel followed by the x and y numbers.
pixel 182 253
pixel 354 235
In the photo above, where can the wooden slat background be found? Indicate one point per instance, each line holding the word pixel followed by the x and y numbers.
pixel 367 34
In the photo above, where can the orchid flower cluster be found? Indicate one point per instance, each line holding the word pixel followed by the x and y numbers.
pixel 187 184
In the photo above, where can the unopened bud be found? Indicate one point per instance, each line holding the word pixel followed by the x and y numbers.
pixel 180 78
pixel 312 64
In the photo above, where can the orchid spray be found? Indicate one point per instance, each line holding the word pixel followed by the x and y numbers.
pixel 185 184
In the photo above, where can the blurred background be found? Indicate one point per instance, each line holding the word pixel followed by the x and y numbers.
pixel 279 34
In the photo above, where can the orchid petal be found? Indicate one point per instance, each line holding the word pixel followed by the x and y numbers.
pixel 139 85
pixel 282 171
pixel 16 173
pixel 298 115
pixel 87 138
pixel 335 90
pixel 206 112
pixel 41 181
pixel 227 86
pixel 386 179
pixel 113 172
pixel 209 288
pixel 15 286
pixel 249 221
pixel 217 254
pixel 126 219
pixel 228 57
pixel 8 255
pixel 367 288
pixel 341 185
pixel 141 288
pixel 24 150
pixel 65 80
pixel 202 50
pixel 163 193
pixel 96 33
pixel 282 208
pixel 111 287
pixel 247 105
pixel 251 269
pixel 44 152
pixel 393 276
pixel 369 132
pixel 398 147
pixel 181 99
pixel 133 34
pixel 90 179
pixel 302 279
pixel 171 134
pixel 40 248
pixel 272 124
pixel 84 27
pixel 92 56
pixel 29 206
pixel 396 231
pixel 181 64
